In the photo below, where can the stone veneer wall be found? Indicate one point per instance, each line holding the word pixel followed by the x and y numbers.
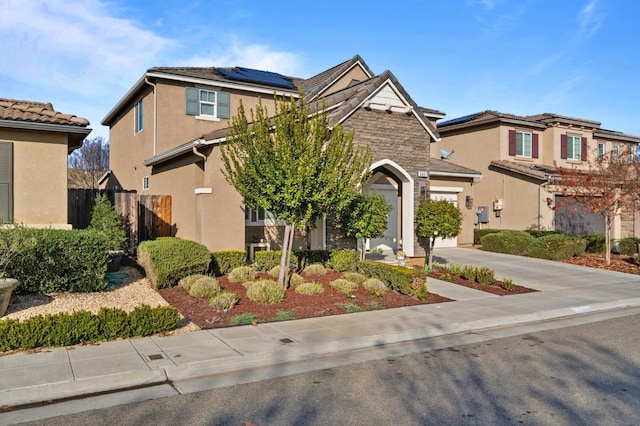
pixel 394 136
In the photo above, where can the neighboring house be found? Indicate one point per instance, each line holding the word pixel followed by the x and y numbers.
pixel 84 178
pixel 166 132
pixel 35 141
pixel 518 156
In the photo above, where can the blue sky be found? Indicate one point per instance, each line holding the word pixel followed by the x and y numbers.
pixel 578 58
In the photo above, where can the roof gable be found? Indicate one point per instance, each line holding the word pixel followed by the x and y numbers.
pixel 315 86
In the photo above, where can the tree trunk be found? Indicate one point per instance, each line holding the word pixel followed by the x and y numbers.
pixel 362 249
pixel 284 256
pixel 432 242
pixel 607 239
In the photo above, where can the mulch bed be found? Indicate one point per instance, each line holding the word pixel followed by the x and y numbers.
pixel 301 306
pixel 619 262
pixel 493 288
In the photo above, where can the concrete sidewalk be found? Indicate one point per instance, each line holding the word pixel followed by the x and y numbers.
pixel 189 362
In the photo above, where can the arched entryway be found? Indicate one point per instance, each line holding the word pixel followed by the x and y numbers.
pixel 397 186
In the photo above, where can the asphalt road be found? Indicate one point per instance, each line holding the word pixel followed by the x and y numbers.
pixel 583 375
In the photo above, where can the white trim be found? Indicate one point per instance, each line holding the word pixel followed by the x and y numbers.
pixel 408 219
pixel 449 189
pixel 327 86
pixel 26 125
pixel 452 174
pixel 203 191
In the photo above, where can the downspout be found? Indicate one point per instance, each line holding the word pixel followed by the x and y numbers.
pixel 155 114
pixel 198 153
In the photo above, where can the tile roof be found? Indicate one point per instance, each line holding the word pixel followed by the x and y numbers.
pixel 536 171
pixel 443 166
pixel 37 112
pixel 314 85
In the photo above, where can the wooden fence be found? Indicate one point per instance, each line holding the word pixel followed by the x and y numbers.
pixel 145 217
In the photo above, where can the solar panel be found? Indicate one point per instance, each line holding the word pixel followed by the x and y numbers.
pixel 257 76
pixel 458 120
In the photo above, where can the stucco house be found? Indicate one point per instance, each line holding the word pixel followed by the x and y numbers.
pixel 518 156
pixel 166 132
pixel 35 140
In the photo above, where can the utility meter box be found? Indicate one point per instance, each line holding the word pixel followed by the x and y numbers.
pixel 483 214
pixel 498 204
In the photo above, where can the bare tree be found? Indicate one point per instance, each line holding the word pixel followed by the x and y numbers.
pixel 608 186
pixel 88 163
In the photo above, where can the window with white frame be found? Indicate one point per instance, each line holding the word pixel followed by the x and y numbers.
pixel 260 217
pixel 523 144
pixel 145 182
pixel 139 117
pixel 207 104
pixel 574 147
pixel 615 152
pixel 601 150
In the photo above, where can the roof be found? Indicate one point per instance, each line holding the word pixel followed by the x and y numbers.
pixel 316 84
pixel 536 171
pixel 37 112
pixel 538 120
pixel 440 167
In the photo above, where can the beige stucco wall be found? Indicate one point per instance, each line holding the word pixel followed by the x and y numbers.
pixel 356 73
pixel 39 177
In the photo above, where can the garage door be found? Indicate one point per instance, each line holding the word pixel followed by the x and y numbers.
pixel 453 199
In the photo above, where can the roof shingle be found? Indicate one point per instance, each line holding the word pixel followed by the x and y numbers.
pixel 37 112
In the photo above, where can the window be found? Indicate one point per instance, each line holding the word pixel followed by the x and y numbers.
pixel 207 104
pixel 139 116
pixel 601 150
pixel 615 152
pixel 523 144
pixel 573 147
pixel 6 182
pixel 145 182
pixel 260 217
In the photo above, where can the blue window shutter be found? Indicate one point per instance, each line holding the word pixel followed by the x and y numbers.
pixel 6 181
pixel 193 101
pixel 223 105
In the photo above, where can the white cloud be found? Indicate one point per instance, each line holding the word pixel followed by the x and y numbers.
pixel 76 46
pixel 256 56
pixel 488 4
pixel 590 19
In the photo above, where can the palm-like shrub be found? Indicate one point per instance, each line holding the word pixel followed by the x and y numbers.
pixel 310 288
pixel 224 301
pixel 266 291
pixel 242 274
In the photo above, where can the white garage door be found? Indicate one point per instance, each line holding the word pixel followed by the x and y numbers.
pixel 452 198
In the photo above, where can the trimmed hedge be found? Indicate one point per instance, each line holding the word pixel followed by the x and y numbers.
pixel 479 233
pixel 536 233
pixel 57 260
pixel 338 260
pixel 265 260
pixel 509 242
pixel 67 329
pixel 344 260
pixel 595 243
pixel 629 246
pixel 410 282
pixel 167 260
pixel 556 247
pixel 223 262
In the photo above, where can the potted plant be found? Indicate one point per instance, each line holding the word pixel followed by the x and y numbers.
pixel 104 218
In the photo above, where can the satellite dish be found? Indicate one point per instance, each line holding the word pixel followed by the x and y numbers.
pixel 444 154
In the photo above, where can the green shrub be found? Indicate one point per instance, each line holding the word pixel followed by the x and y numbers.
pixel 310 289
pixel 264 260
pixel 167 260
pixel 242 274
pixel 536 233
pixel 445 277
pixel 479 233
pixel 55 260
pixel 556 247
pixel 315 269
pixel 284 316
pixel 469 272
pixel 205 288
pixel 350 308
pixel 303 258
pixel 274 272
pixel 345 286
pixel 373 305
pixel 453 268
pixel 354 277
pixel 243 319
pixel 65 329
pixel 295 280
pixel 104 218
pixel 485 276
pixel 629 246
pixel 375 286
pixel 343 260
pixel 223 262
pixel 596 243
pixel 410 282
pixel 266 291
pixel 508 285
pixel 509 242
pixel 224 301
pixel 189 280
